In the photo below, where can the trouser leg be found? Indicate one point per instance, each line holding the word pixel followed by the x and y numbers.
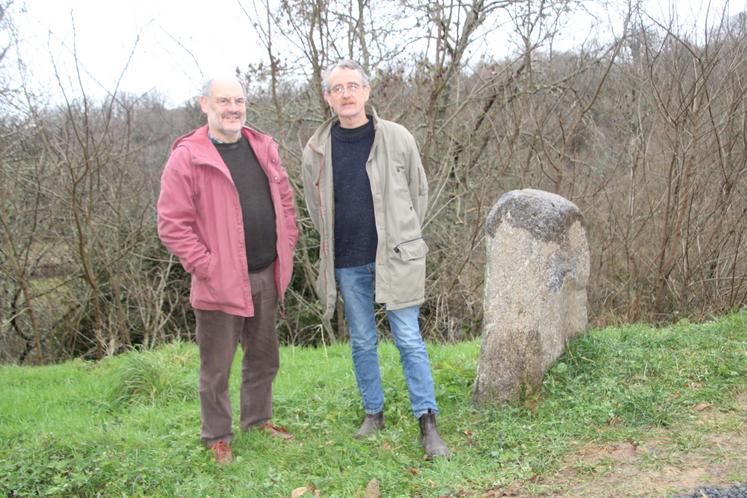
pixel 414 357
pixel 356 286
pixel 260 345
pixel 217 337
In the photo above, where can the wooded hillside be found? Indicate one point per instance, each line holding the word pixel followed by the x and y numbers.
pixel 646 133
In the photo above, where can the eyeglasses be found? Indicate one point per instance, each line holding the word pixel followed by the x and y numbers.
pixel 225 101
pixel 350 87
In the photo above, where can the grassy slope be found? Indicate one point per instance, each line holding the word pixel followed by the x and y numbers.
pixel 129 426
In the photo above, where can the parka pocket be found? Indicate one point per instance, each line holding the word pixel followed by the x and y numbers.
pixel 412 249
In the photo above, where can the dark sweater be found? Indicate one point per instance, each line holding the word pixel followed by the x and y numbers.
pixel 260 236
pixel 355 224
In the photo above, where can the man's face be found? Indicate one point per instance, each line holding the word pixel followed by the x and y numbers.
pixel 347 96
pixel 226 110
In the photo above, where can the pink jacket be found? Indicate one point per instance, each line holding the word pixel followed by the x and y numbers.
pixel 200 221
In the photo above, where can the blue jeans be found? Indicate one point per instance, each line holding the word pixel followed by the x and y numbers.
pixel 356 286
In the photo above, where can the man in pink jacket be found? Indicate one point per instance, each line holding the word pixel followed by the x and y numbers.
pixel 226 210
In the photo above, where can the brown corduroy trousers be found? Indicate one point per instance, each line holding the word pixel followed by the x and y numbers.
pixel 218 334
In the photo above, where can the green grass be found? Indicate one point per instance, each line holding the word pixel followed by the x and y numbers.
pixel 129 426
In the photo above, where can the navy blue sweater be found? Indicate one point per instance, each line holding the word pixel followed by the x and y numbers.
pixel 355 224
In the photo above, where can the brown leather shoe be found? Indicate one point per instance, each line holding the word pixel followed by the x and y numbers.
pixel 222 452
pixel 275 430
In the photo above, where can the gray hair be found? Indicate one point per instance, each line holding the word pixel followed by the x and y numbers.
pixel 208 85
pixel 344 64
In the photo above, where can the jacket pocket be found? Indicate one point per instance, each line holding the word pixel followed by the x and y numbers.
pixel 412 249
pixel 204 286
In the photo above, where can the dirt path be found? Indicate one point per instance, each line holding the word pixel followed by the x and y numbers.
pixel 711 450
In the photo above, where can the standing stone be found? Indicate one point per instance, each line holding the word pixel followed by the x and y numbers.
pixel 535 291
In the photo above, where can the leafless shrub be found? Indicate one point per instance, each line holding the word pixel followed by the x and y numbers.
pixel 646 133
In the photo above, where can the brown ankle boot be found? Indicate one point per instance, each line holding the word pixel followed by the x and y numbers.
pixel 371 425
pixel 431 440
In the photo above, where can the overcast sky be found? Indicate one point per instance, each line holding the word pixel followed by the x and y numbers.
pixel 177 43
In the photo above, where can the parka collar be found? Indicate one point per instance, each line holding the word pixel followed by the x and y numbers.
pixel 318 141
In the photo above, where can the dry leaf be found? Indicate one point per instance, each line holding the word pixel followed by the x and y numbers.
pixel 372 490
pixel 701 406
pixel 299 492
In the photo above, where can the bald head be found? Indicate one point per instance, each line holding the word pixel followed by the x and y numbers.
pixel 220 81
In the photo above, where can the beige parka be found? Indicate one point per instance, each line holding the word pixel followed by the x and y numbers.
pixel 399 190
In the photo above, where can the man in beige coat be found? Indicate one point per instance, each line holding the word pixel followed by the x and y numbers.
pixel 367 193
